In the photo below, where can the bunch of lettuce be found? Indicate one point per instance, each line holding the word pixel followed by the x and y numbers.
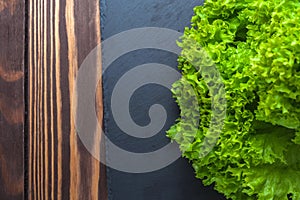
pixel 255 45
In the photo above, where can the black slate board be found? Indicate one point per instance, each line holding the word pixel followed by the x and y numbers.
pixel 176 181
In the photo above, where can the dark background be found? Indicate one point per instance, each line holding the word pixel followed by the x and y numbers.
pixel 177 181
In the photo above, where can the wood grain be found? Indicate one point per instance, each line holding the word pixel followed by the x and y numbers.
pixel 61 34
pixel 10 5
pixel 12 33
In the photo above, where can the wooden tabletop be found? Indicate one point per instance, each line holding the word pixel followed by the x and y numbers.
pixel 42 45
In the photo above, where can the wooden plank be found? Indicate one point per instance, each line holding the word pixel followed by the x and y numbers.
pixel 12 99
pixel 61 34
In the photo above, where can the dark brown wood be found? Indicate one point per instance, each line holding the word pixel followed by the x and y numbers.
pixel 12 99
pixel 61 34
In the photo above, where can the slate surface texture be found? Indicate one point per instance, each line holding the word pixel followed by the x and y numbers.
pixel 176 181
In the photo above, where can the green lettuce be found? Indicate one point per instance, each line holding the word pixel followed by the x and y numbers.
pixel 253 146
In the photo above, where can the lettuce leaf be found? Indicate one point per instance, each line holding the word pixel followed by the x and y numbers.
pixel 253 144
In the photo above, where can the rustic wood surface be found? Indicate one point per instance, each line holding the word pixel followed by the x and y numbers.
pixel 61 34
pixel 12 32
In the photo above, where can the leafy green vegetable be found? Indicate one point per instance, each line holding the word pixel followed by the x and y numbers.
pixel 255 46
